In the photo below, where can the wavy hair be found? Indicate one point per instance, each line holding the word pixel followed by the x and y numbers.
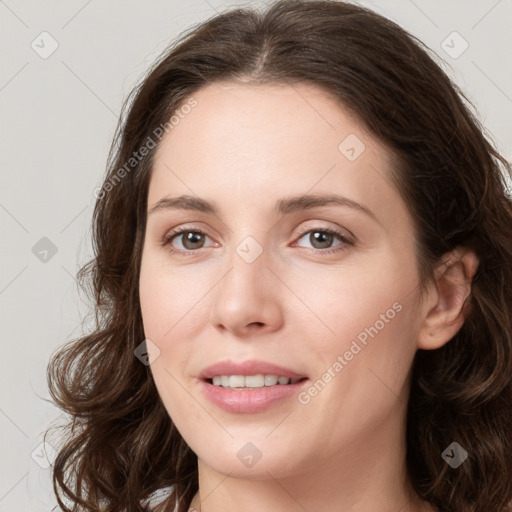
pixel 121 445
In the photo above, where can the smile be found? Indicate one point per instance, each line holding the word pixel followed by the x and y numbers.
pixel 250 381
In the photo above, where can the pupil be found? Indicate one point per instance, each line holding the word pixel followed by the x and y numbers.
pixel 318 236
pixel 192 237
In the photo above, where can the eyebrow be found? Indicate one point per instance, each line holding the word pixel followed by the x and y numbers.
pixel 283 206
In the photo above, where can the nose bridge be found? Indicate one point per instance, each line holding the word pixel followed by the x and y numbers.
pixel 248 264
pixel 246 294
pixel 248 249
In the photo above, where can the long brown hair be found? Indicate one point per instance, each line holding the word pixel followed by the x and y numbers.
pixel 122 446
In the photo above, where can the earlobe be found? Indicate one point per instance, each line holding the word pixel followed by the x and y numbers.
pixel 445 312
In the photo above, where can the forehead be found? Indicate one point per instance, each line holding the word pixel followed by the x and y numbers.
pixel 243 143
pixel 249 121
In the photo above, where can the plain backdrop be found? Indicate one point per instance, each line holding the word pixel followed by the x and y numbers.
pixel 65 68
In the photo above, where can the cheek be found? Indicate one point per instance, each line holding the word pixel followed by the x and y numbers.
pixel 170 299
pixel 357 301
pixel 167 315
pixel 368 325
pixel 360 372
pixel 367 357
pixel 173 304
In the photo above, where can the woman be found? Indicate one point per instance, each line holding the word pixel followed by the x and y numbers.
pixel 302 282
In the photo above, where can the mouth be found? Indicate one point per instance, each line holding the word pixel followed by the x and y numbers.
pixel 250 386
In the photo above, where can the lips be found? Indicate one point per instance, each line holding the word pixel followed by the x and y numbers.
pixel 249 400
pixel 252 367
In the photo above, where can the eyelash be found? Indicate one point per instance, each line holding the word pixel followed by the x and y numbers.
pixel 339 248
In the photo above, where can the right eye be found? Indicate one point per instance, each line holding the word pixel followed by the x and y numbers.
pixel 192 240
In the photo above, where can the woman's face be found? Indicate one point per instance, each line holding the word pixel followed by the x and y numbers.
pixel 276 276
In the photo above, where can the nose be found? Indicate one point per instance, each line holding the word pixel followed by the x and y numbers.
pixel 248 297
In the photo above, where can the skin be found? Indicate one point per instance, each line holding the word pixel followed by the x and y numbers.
pixel 244 147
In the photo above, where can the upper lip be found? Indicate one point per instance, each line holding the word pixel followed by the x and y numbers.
pixel 252 367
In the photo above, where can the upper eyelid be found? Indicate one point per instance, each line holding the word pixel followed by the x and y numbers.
pixel 185 227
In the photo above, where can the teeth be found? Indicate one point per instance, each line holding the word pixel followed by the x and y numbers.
pixel 250 381
pixel 271 380
pixel 236 381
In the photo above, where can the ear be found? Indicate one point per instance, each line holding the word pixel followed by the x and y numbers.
pixel 445 310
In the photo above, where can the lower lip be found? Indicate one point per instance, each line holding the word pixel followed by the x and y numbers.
pixel 249 400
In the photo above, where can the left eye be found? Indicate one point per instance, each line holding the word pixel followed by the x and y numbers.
pixel 321 239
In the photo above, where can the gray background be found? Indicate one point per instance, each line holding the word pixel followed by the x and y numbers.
pixel 58 115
